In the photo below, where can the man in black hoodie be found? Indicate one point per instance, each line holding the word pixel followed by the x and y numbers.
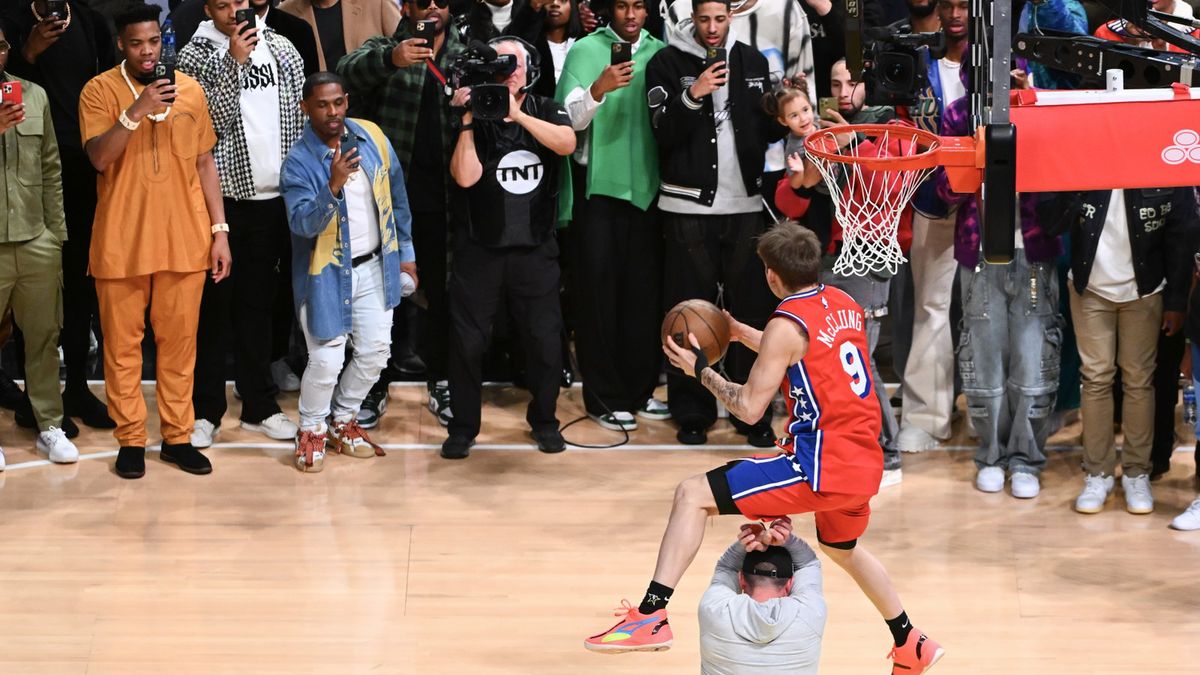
pixel 712 134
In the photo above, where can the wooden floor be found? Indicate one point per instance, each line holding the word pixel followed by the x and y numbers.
pixel 503 563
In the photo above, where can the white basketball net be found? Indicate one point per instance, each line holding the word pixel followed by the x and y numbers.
pixel 869 201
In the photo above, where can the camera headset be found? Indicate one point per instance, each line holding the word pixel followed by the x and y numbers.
pixel 533 60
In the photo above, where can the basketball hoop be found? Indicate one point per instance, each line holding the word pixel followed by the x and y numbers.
pixel 872 171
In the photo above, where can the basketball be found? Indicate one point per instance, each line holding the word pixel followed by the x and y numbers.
pixel 704 320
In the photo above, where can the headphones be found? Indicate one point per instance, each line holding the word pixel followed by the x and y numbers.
pixel 533 59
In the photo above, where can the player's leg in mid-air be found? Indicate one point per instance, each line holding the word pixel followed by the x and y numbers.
pixel 645 627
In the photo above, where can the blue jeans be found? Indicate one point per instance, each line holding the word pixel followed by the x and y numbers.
pixel 871 293
pixel 1008 356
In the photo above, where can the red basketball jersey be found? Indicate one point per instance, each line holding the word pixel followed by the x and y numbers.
pixel 833 429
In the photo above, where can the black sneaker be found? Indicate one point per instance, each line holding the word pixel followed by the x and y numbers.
pixel 186 457
pixel 692 436
pixel 549 441
pixel 457 447
pixel 373 408
pixel 131 462
pixel 439 403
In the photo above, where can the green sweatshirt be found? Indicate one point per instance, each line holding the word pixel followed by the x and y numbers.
pixel 622 155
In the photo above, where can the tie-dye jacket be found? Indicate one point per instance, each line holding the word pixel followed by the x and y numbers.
pixel 967 234
pixel 321 263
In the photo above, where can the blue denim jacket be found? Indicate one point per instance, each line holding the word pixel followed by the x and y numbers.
pixel 321 269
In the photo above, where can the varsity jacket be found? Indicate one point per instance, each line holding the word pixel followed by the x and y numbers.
pixel 1163 227
pixel 686 131
pixel 321 261
pixel 207 58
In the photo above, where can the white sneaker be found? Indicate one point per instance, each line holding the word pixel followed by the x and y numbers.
pixel 1095 492
pixel 54 442
pixel 1138 499
pixel 891 477
pixel 203 434
pixel 277 427
pixel 1 459
pixel 989 479
pixel 654 409
pixel 915 439
pixel 1188 520
pixel 1025 485
pixel 284 378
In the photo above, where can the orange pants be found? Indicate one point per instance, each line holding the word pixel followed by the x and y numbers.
pixel 174 302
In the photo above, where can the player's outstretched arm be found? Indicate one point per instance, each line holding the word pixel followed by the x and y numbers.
pixel 743 333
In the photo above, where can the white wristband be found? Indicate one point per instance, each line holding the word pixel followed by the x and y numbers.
pixel 220 227
pixel 128 123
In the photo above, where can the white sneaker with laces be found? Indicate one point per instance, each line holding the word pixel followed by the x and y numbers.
pixel 277 427
pixel 1025 485
pixel 654 409
pixel 1095 492
pixel 989 479
pixel 203 434
pixel 284 378
pixel 915 439
pixel 1138 498
pixel 1187 521
pixel 57 446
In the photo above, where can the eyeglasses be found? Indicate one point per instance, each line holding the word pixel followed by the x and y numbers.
pixel 424 4
pixel 4 46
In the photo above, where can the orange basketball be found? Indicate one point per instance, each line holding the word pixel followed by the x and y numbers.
pixel 702 319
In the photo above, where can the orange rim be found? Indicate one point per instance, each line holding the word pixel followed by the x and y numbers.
pixel 819 143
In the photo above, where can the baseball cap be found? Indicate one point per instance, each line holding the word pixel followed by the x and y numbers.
pixel 773 562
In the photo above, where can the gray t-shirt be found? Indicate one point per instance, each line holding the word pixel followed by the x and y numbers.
pixel 741 636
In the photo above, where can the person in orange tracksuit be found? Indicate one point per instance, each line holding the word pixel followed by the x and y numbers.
pixel 159 227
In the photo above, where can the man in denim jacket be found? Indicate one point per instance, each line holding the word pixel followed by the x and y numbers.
pixel 352 261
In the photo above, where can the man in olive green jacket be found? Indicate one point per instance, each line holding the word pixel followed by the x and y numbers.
pixel 32 230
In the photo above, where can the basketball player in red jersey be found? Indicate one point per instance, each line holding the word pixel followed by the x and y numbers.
pixel 829 463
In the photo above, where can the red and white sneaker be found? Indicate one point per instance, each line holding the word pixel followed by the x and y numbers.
pixel 917 655
pixel 636 632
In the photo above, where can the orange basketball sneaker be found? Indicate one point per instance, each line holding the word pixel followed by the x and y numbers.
pixel 637 632
pixel 916 655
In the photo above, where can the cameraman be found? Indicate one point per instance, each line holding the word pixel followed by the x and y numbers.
pixel 509 168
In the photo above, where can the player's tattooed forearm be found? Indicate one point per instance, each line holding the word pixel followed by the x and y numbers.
pixel 728 393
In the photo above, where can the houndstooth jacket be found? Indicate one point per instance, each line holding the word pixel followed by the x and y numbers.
pixel 221 77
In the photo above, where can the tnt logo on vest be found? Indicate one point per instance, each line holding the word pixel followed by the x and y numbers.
pixel 519 172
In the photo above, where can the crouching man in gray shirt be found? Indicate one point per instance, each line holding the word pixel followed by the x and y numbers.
pixel 764 611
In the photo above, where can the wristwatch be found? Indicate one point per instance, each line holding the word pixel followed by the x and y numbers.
pixel 220 227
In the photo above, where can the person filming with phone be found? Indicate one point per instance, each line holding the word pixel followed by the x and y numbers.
pixel 252 78
pixel 507 159
pixel 160 230
pixel 352 262
pixel 705 91
pixel 615 228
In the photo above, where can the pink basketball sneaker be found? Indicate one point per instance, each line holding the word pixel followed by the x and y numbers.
pixel 916 655
pixel 636 632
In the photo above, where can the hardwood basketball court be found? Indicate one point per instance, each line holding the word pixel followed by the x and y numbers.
pixel 504 562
